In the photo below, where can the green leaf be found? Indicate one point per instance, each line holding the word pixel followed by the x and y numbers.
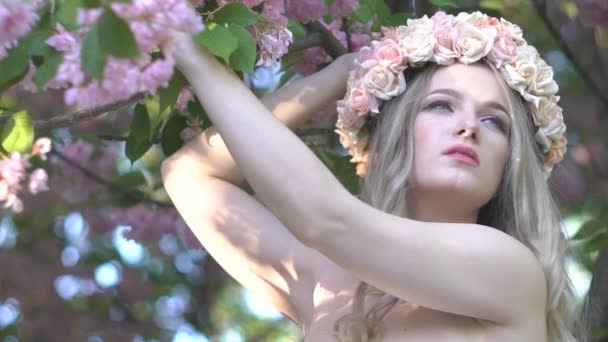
pixel 195 109
pixel 115 36
pixel 219 40
pixel 48 69
pixel 396 19
pixel 363 13
pixel 67 14
pixel 243 58
pixel 155 115
pixel 169 95
pixel 170 139
pixel 588 229
pixel 93 58
pixel 131 179
pixel 597 243
pixel 444 3
pixel 138 141
pixel 235 13
pixel 14 66
pixel 18 133
pixel 297 30
pixel 91 3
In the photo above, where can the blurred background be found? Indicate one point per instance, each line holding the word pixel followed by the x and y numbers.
pixel 103 255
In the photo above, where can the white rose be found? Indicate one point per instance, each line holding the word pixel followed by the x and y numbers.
pixel 383 83
pixel 473 42
pixel 520 73
pixel 543 83
pixel 348 119
pixel 548 109
pixel 417 40
pixel 513 30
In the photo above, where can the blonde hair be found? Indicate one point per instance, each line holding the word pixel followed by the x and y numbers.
pixel 532 218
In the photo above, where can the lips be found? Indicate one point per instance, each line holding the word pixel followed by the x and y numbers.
pixel 463 153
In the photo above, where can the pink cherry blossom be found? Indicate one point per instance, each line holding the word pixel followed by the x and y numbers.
pixel 306 10
pixel 342 8
pixel 37 183
pixel 16 19
pixel 185 95
pixel 274 42
pixel 274 11
pixel 41 147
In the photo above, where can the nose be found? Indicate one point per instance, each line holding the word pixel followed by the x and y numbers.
pixel 468 128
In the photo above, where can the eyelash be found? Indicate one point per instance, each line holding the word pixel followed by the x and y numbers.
pixel 445 105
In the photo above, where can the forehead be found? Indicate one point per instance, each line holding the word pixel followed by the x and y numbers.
pixel 475 81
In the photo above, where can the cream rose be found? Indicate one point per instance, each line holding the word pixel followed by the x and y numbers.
pixel 520 73
pixel 513 31
pixel 474 43
pixel 350 120
pixel 543 83
pixel 383 83
pixel 547 111
pixel 417 40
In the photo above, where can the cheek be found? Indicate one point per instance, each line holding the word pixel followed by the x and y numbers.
pixel 423 137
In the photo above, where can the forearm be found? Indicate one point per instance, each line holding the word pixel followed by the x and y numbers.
pixel 293 105
pixel 285 174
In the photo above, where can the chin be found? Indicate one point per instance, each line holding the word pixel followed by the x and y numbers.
pixel 458 184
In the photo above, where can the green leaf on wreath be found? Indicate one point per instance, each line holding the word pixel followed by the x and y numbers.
pixel 235 13
pixel 115 36
pixel 18 133
pixel 220 41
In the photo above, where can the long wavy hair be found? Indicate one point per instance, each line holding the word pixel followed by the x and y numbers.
pixel 523 207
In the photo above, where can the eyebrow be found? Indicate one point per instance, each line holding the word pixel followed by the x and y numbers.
pixel 458 95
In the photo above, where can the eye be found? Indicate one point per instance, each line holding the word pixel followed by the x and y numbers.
pixel 496 122
pixel 440 105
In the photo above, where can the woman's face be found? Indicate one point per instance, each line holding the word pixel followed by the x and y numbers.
pixel 461 134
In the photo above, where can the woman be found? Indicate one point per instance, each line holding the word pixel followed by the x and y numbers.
pixel 455 236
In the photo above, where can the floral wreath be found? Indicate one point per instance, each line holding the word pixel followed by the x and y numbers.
pixel 377 75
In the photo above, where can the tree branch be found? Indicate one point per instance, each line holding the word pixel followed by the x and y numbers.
pixel 83 115
pixel 542 11
pixel 333 47
pixel 134 195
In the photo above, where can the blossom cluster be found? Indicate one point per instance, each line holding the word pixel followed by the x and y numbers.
pixel 446 39
pixel 14 171
pixel 151 23
pixel 151 224
pixel 16 20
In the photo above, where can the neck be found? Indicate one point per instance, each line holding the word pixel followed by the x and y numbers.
pixel 440 209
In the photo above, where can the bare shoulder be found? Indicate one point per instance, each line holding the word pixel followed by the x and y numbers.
pixel 491 275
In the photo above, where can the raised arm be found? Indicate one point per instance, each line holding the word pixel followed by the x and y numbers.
pixel 293 105
pixel 242 235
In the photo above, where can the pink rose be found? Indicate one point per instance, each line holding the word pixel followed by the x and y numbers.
pixel 446 48
pixel 361 101
pixel 389 55
pixel 504 49
pixel 442 19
